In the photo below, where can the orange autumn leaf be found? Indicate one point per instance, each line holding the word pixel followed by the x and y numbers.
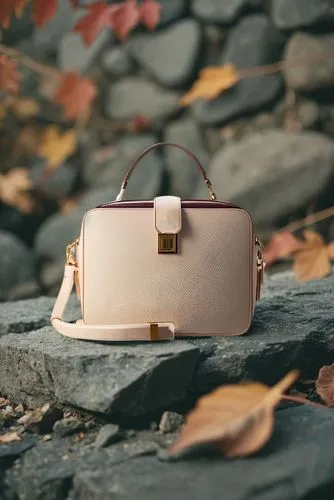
pixel 211 83
pixel 282 244
pixel 238 419
pixel 98 16
pixel 19 7
pixel 325 385
pixel 149 13
pixel 43 11
pixel 9 76
pixel 312 261
pixel 124 17
pixel 6 10
pixel 75 94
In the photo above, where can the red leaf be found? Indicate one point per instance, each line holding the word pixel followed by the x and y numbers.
pixel 9 76
pixel 281 245
pixel 75 94
pixel 124 17
pixel 43 11
pixel 149 13
pixel 6 10
pixel 98 16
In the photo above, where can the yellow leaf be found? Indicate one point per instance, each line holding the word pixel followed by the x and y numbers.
pixel 211 83
pixel 9 437
pixel 57 146
pixel 238 419
pixel 14 187
pixel 26 108
pixel 312 261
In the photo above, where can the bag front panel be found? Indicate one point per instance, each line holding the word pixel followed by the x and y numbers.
pixel 206 288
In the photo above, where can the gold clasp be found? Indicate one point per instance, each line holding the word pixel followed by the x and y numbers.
pixel 260 267
pixel 71 259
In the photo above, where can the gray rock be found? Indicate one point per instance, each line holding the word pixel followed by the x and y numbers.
pixel 18 272
pixel 59 230
pixel 252 42
pixel 138 96
pixel 311 76
pixel 68 427
pixel 110 379
pixel 172 10
pixel 170 422
pixel 216 11
pixel 273 174
pixel 59 184
pixel 298 13
pixel 292 328
pixel 107 435
pixel 27 315
pixel 146 180
pixel 153 52
pixel 297 464
pixel 184 175
pixel 117 62
pixel 48 37
pixel 74 55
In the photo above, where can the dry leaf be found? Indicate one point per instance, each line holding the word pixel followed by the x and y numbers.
pixel 26 108
pixel 14 187
pixel 149 13
pixel 9 76
pixel 9 437
pixel 282 244
pixel 211 83
pixel 56 146
pixel 75 93
pixel 41 419
pixel 238 419
pixel 312 261
pixel 27 142
pixel 325 385
pixel 4 402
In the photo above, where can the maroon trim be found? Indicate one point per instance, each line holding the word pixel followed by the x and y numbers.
pixel 184 203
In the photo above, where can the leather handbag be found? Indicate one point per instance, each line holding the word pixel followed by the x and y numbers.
pixel 154 270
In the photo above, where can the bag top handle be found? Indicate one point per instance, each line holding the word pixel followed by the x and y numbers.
pixel 157 145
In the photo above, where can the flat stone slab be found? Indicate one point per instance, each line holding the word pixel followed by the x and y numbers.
pixel 296 464
pixel 293 328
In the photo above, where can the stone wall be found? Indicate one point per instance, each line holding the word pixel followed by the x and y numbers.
pixel 267 143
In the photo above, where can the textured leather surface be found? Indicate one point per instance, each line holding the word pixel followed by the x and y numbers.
pixel 167 214
pixel 207 288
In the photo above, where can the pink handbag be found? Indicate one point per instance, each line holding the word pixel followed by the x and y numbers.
pixel 154 270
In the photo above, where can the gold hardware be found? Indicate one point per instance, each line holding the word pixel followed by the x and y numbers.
pixel 260 267
pixel 154 331
pixel 71 259
pixel 167 243
pixel 212 194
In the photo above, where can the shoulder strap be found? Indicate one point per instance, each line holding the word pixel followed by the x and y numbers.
pixel 116 333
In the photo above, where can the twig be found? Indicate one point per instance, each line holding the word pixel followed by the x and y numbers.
pixel 310 219
pixel 297 399
pixel 41 68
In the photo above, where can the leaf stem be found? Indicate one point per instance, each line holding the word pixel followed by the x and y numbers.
pixel 29 62
pixel 308 220
pixel 298 399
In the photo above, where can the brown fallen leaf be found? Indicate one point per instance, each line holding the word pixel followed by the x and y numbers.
pixel 4 402
pixel 211 83
pixel 312 261
pixel 14 190
pixel 282 244
pixel 9 437
pixel 57 146
pixel 325 385
pixel 238 419
pixel 41 419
